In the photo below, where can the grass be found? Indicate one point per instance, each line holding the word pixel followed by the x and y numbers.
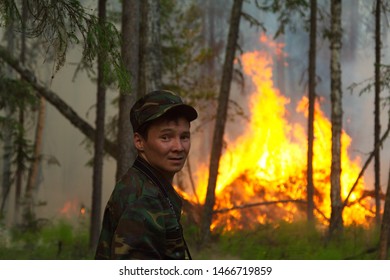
pixel 59 240
pixel 295 241
pixel 69 241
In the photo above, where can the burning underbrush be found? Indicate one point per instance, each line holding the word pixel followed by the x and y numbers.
pixel 262 173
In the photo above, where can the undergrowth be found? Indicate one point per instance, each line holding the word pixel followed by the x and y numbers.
pixel 62 240
pixel 296 241
pixel 67 240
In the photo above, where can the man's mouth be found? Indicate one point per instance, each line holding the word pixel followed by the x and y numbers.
pixel 176 158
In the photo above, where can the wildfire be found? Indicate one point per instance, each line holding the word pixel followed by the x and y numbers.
pixel 267 162
pixel 72 208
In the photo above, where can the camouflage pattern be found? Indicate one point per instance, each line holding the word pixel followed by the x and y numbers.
pixel 139 223
pixel 155 104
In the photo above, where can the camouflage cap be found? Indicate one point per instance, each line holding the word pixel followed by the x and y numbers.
pixel 157 103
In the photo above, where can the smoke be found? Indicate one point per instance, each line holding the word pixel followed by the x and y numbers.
pixel 71 180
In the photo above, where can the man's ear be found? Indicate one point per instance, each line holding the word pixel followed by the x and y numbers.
pixel 138 141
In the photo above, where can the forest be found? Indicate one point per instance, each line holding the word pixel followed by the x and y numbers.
pixel 290 152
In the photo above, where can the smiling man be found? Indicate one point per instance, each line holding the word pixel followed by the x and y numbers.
pixel 142 216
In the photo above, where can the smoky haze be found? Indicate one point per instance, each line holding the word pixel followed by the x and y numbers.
pixel 68 186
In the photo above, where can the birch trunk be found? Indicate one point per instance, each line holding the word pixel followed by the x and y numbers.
pixel 336 220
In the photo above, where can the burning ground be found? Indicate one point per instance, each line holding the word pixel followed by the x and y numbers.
pixel 262 173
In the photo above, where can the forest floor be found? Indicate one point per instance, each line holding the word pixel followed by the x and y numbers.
pixel 282 241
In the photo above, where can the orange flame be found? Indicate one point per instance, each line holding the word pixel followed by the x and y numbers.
pixel 267 163
pixel 72 208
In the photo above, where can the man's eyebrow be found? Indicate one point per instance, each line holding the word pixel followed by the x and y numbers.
pixel 166 130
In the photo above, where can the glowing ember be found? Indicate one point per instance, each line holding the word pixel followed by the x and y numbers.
pixel 72 208
pixel 267 163
pixel 83 211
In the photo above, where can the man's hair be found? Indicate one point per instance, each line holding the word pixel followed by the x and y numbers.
pixel 171 115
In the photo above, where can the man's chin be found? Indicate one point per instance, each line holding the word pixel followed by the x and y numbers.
pixel 175 168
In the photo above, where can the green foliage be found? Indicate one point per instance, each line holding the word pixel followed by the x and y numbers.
pixel 62 239
pixel 62 24
pixel 16 96
pixel 184 51
pixel 102 38
pixel 295 241
pixel 57 240
pixel 7 12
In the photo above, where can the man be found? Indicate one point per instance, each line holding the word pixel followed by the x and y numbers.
pixel 142 216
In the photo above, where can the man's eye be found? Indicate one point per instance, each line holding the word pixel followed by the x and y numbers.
pixel 164 137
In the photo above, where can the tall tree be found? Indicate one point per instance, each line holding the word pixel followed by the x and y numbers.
pixel 130 56
pixel 336 219
pixel 58 22
pixel 63 24
pixel 377 112
pixel 151 72
pixel 97 176
pixel 220 122
pixel 32 179
pixel 20 166
pixel 210 68
pixel 7 128
pixel 312 98
pixel 211 40
pixel 385 228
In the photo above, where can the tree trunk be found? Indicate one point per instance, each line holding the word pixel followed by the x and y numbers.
pixel 7 148
pixel 130 55
pixel 7 162
pixel 153 64
pixel 385 229
pixel 20 165
pixel 97 175
pixel 210 69
pixel 377 112
pixel 56 101
pixel 141 49
pixel 355 23
pixel 151 74
pixel 336 220
pixel 221 119
pixel 312 98
pixel 34 168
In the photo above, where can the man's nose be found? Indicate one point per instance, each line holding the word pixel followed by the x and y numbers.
pixel 177 144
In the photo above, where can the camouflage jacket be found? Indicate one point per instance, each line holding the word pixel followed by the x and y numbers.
pixel 139 222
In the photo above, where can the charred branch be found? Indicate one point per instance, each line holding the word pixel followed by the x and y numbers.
pixel 264 203
pixel 366 164
pixel 249 205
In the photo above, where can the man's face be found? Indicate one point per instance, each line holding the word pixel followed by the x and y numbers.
pixel 167 145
